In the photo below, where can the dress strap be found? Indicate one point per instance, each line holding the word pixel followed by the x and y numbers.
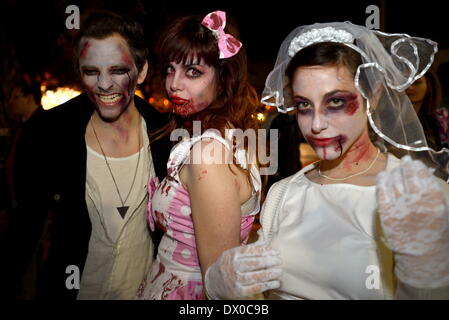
pixel 181 151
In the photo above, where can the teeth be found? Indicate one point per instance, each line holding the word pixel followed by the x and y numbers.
pixel 110 98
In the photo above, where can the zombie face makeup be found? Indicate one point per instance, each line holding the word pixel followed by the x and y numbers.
pixel 109 75
pixel 330 110
pixel 191 86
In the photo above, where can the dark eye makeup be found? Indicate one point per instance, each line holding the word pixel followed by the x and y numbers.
pixel 334 103
pixel 120 71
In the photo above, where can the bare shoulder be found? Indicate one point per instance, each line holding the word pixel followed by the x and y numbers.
pixel 210 151
pixel 211 161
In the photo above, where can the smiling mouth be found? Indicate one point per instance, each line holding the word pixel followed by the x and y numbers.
pixel 110 98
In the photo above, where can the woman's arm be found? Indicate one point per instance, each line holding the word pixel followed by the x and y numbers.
pixel 216 193
pixel 215 201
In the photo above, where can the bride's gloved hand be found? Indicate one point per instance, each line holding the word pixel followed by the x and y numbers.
pixel 243 271
pixel 415 220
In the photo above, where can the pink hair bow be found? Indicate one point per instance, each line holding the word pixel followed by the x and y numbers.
pixel 227 44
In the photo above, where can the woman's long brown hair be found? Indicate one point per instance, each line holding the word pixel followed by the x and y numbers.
pixel 236 100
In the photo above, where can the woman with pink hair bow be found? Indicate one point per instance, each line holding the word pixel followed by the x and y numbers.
pixel 208 201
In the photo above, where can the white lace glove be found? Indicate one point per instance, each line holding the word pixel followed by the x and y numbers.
pixel 243 271
pixel 415 220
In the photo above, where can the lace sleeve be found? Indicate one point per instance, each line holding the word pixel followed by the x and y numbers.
pixel 415 219
pixel 407 292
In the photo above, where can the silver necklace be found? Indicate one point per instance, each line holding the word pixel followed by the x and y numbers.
pixel 353 175
pixel 123 209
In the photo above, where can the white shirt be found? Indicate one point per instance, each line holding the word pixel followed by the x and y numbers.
pixel 120 249
pixel 330 241
pixel 123 170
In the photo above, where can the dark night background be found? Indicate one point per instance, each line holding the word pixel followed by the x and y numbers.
pixel 35 39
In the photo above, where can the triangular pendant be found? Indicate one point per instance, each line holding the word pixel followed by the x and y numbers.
pixel 122 211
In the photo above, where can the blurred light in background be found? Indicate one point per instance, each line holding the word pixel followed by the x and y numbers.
pixel 161 103
pixel 139 93
pixel 260 117
pixel 53 98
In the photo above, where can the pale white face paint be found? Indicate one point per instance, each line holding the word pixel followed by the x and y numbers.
pixel 109 75
pixel 191 87
pixel 330 110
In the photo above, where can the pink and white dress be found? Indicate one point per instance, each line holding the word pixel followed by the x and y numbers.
pixel 176 274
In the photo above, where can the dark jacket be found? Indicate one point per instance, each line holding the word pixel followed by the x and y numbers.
pixel 50 176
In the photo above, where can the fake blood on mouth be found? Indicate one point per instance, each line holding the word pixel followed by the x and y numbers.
pixel 326 142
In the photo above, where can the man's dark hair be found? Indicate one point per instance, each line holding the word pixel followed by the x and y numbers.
pixel 102 24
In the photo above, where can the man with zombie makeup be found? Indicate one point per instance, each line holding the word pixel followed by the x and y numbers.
pixel 92 160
